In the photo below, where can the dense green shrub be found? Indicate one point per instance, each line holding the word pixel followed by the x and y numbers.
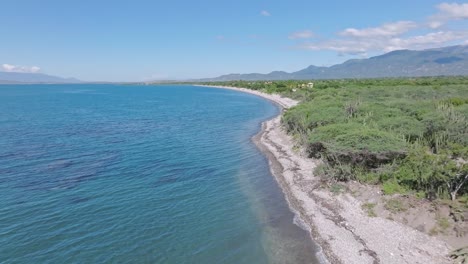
pixel 392 187
pixel 355 137
pixel 435 174
pixel 410 134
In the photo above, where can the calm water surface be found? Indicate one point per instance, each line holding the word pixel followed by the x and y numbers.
pixel 140 174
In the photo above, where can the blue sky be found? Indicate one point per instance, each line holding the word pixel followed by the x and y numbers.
pixel 99 40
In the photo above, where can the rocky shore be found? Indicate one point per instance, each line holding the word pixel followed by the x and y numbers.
pixel 346 233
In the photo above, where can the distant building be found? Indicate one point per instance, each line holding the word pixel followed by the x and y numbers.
pixel 310 85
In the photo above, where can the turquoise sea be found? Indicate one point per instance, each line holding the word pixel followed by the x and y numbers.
pixel 139 174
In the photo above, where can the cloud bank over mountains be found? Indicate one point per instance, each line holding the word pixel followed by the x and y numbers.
pixel 22 69
pixel 435 31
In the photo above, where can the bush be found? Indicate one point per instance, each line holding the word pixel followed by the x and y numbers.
pixel 343 172
pixel 392 187
pixel 354 137
pixel 364 176
pixel 435 174
pixel 456 101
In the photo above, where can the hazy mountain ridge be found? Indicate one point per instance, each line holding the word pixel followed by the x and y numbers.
pixel 446 61
pixel 28 78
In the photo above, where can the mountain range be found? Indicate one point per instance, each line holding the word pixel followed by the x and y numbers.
pixel 446 61
pixel 28 78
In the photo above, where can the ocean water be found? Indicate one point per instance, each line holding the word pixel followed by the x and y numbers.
pixel 139 174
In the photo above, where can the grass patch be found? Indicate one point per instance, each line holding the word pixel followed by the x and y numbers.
pixel 369 208
pixel 443 223
pixel 392 187
pixel 337 188
pixel 395 206
pixel 434 231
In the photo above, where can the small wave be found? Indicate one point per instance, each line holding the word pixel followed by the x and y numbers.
pixel 297 220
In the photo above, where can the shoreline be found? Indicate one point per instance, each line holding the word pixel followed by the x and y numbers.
pixel 337 223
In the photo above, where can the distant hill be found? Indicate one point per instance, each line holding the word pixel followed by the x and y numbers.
pixel 447 61
pixel 20 77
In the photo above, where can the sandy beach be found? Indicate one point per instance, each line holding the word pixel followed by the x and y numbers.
pixel 338 223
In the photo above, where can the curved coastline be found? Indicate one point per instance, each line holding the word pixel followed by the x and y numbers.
pixel 337 223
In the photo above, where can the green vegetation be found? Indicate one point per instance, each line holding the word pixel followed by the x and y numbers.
pixel 395 206
pixel 336 188
pixel 392 187
pixel 408 134
pixel 443 223
pixel 369 208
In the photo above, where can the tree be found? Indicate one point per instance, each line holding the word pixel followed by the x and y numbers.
pixel 458 181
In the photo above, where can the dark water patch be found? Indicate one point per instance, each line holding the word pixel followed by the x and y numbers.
pixel 7 155
pixel 168 179
pixel 6 171
pixel 73 181
pixel 19 201
pixel 42 183
pixel 65 174
pixel 205 172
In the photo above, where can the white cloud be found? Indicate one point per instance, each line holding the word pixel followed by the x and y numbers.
pixel 399 35
pixel 34 69
pixel 429 40
pixel 342 46
pixel 434 24
pixel 265 13
pixel 447 12
pixel 372 44
pixel 389 29
pixel 454 10
pixel 405 34
pixel 305 34
pixel 8 67
pixel 14 68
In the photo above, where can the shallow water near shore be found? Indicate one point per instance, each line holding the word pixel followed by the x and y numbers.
pixel 141 174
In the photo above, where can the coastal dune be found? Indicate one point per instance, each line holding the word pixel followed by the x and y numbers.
pixel 337 223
